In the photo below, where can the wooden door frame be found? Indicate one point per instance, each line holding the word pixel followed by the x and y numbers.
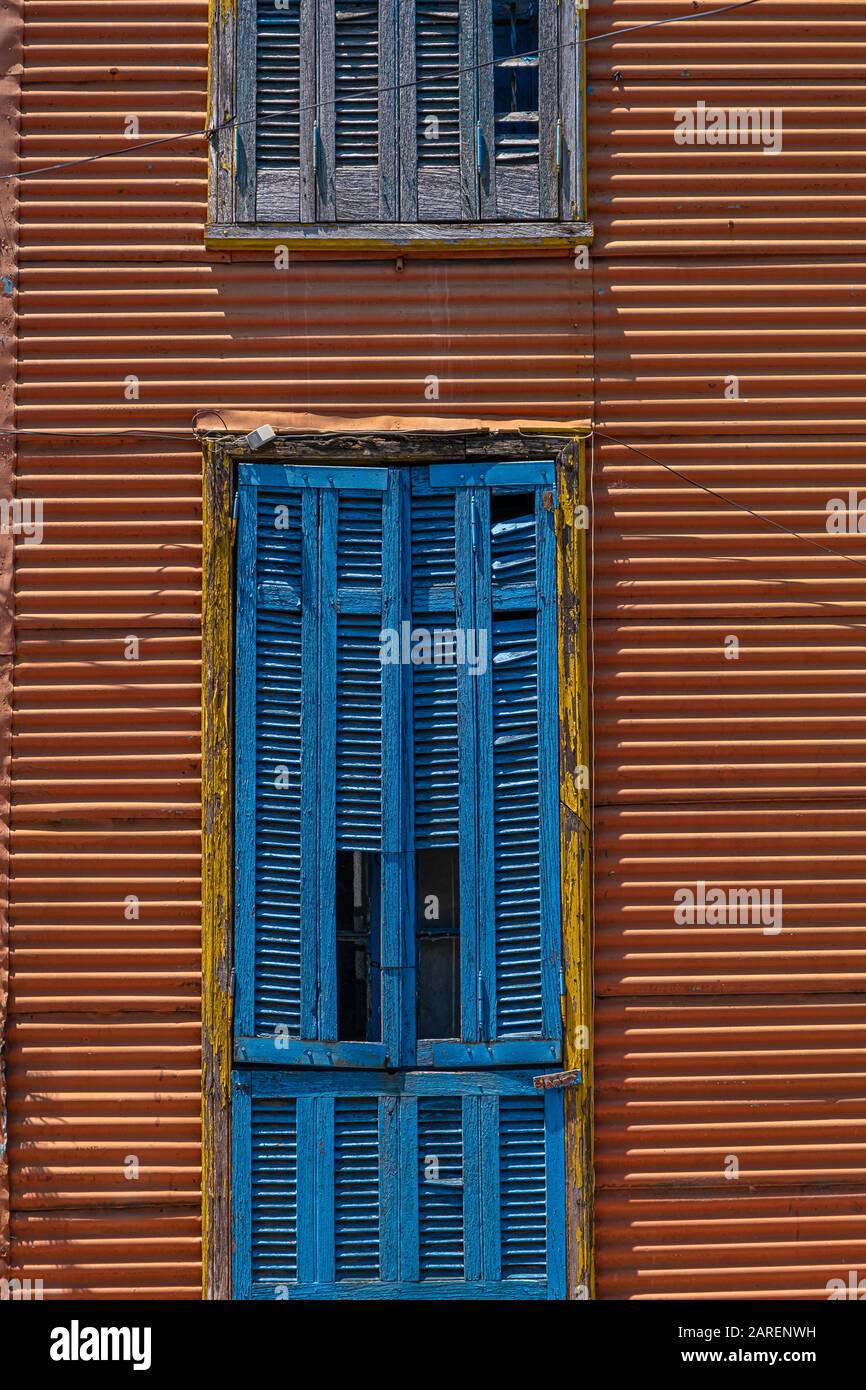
pixel 221 455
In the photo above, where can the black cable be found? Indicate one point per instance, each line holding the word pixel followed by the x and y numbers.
pixel 372 91
pixel 758 516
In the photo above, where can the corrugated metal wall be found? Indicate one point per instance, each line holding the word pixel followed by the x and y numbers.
pixel 115 283
pixel 707 264
pixel 718 1041
pixel 11 34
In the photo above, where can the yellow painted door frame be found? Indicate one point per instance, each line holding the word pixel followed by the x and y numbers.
pixel 219 462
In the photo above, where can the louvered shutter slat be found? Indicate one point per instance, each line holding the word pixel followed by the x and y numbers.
pixel 278 85
pixel 357 84
pixel 434 543
pixel 434 687
pixel 438 110
pixel 278 755
pixel 359 733
pixel 359 674
pixel 356 1188
pixel 359 539
pixel 437 776
pixel 440 1187
pixel 522 1187
pixel 274 1191
pixel 516 828
pixel 437 115
pixel 357 111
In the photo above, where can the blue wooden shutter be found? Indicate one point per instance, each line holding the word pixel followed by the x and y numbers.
pixel 407 1186
pixel 500 753
pixel 275 700
pixel 316 582
pixel 444 738
pixel 275 110
pixel 518 718
pixel 358 777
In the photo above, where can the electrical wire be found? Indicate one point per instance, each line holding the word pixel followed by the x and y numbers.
pixel 182 435
pixel 677 19
pixel 131 149
pixel 731 502
pixel 140 431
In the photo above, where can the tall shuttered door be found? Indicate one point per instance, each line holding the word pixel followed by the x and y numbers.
pixel 421 1187
pixel 396 886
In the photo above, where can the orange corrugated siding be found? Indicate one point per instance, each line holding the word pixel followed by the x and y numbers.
pixel 11 33
pixel 719 1040
pixel 801 57
pixel 103 1045
pixel 707 263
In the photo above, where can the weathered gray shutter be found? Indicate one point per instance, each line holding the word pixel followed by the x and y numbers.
pixel 275 110
pixel 438 111
pixel 356 130
pixel 518 109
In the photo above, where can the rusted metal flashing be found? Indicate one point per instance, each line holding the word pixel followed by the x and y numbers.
pixel 362 431
pixel 11 29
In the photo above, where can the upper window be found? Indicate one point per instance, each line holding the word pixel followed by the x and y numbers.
pixel 384 120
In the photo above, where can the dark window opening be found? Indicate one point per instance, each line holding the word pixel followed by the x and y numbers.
pixel 437 941
pixel 515 90
pixel 511 506
pixel 359 1012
